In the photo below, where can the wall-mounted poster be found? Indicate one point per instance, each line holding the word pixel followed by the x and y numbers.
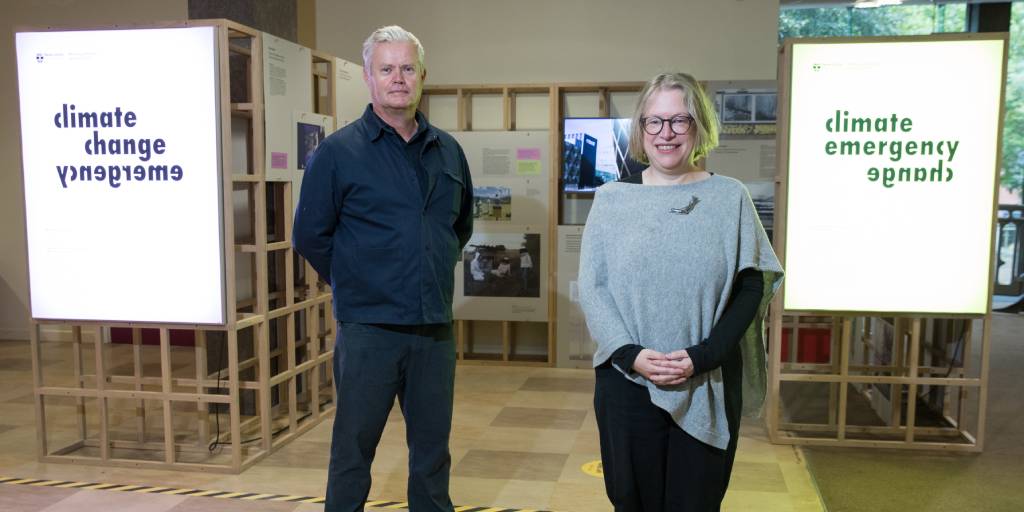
pixel 891 194
pixel 287 88
pixel 746 144
pixel 309 130
pixel 575 346
pixel 502 276
pixel 510 178
pixel 122 185
pixel 351 95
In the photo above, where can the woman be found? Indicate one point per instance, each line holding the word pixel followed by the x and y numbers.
pixel 675 275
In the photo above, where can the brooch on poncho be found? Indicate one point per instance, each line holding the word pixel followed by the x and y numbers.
pixel 689 208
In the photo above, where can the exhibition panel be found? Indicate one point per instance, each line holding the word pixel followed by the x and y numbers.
pixel 888 197
pixel 194 238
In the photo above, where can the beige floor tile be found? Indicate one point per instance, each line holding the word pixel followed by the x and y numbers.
pixel 482 492
pixel 552 399
pixel 229 505
pixel 300 454
pixel 523 440
pixel 573 470
pixel 115 502
pixel 563 384
pixel 473 378
pixel 24 498
pixel 540 418
pixel 590 422
pixel 499 456
pixel 389 485
pixel 587 442
pixel 757 476
pixel 478 414
pixel 803 492
pixel 273 480
pixel 745 501
pixel 579 497
pixel 510 465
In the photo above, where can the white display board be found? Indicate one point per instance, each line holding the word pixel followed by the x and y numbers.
pixel 351 94
pixel 287 91
pixel 121 160
pixel 892 172
pixel 511 182
pixel 575 346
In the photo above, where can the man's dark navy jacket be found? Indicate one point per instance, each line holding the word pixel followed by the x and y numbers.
pixel 364 223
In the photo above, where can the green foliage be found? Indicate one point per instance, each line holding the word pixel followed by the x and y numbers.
pixel 1012 175
pixel 888 21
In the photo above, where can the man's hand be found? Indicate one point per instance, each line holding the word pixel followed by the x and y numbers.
pixel 659 369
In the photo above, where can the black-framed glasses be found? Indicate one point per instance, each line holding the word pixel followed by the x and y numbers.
pixel 678 124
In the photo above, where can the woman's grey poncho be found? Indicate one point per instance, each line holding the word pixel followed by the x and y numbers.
pixel 656 270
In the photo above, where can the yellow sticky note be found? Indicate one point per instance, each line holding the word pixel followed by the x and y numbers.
pixel 531 167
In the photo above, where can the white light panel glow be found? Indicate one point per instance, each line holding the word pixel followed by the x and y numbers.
pixel 121 161
pixel 892 168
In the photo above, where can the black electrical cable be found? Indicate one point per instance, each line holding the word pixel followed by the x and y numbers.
pixel 956 350
pixel 216 408
pixel 216 414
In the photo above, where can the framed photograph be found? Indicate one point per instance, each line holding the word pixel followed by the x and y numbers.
pixel 492 204
pixel 737 108
pixel 764 107
pixel 307 138
pixel 505 265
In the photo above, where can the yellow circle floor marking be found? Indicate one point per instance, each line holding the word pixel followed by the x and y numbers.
pixel 593 468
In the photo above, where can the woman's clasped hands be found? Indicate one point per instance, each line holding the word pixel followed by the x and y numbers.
pixel 669 369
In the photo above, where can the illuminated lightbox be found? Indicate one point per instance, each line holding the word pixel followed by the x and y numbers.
pixel 892 175
pixel 121 161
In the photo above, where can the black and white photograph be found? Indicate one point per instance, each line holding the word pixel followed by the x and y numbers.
pixel 737 108
pixel 492 203
pixel 764 107
pixel 502 265
pixel 308 136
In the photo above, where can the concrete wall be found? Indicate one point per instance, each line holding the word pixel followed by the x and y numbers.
pixel 529 41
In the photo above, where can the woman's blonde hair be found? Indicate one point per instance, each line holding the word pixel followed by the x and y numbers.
pixel 705 122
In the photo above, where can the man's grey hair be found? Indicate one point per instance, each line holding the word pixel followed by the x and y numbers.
pixel 390 34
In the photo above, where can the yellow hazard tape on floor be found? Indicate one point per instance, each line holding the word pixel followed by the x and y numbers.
pixel 233 495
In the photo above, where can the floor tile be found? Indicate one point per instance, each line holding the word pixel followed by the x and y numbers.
pixel 231 505
pixel 757 476
pixel 24 498
pixel 535 417
pixel 108 501
pixel 543 467
pixel 547 384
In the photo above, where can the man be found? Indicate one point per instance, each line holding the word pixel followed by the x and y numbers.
pixel 385 209
pixel 525 266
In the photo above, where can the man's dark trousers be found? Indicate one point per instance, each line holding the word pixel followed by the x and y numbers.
pixel 373 363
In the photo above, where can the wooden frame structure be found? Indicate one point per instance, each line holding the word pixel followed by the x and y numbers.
pixel 267 370
pixel 556 100
pixel 860 367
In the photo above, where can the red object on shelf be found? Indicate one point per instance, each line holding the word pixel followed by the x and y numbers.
pixel 813 346
pixel 179 337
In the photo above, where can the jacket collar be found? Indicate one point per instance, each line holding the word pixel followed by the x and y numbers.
pixel 376 126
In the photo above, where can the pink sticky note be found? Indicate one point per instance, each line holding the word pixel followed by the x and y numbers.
pixel 278 160
pixel 528 154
